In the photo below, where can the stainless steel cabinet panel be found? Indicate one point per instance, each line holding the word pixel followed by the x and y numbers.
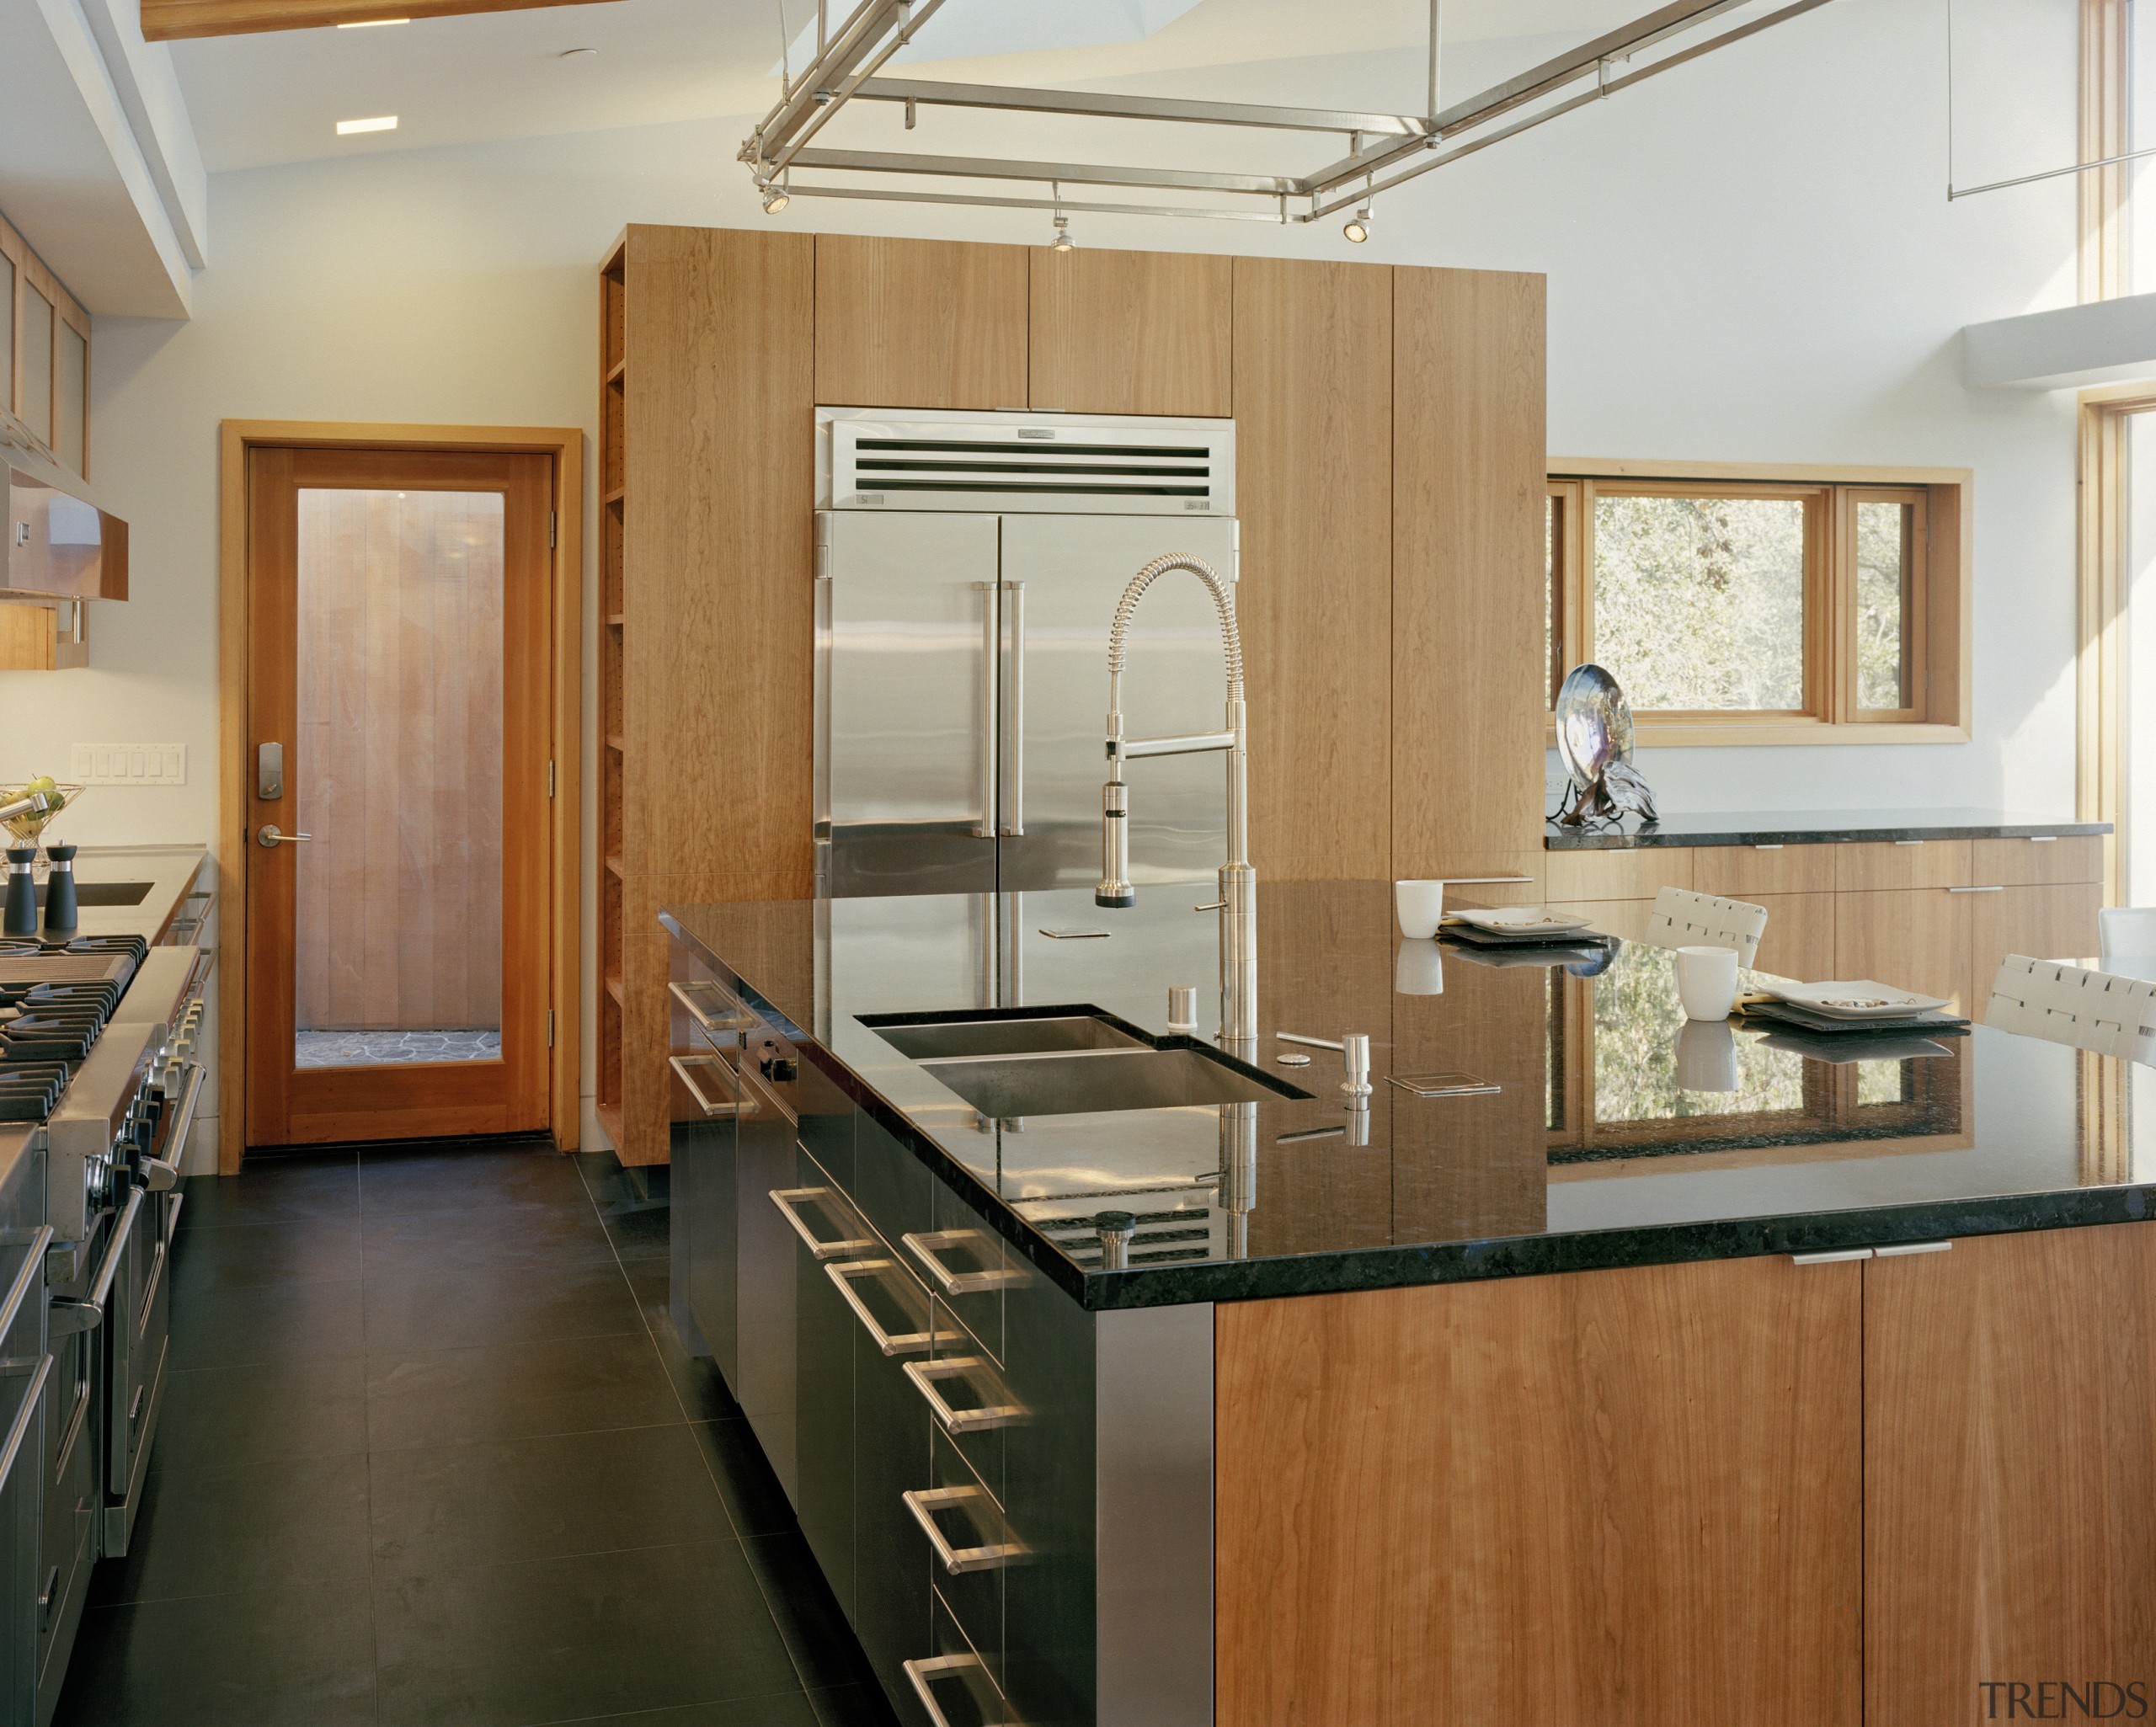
pixel 905 701
pixel 892 1186
pixel 983 1550
pixel 966 1265
pixel 891 1459
pixel 705 1272
pixel 1063 576
pixel 767 1301
pixel 971 1404
pixel 823 1394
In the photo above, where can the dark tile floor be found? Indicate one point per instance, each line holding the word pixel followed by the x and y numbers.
pixel 431 1453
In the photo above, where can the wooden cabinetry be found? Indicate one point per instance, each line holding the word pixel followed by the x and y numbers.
pixel 2009 1436
pixel 1374 753
pixel 1558 1499
pixel 1918 939
pixel 44 356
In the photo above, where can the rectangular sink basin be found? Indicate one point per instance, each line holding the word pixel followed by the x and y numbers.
pixel 1087 1081
pixel 931 1040
pixel 105 893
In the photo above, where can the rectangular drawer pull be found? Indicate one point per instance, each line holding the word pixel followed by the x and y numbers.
pixel 1776 847
pixel 998 1411
pixel 1840 1255
pixel 2043 839
pixel 844 1275
pixel 1994 888
pixel 685 1068
pixel 712 1008
pixel 1002 1549
pixel 922 1675
pixel 930 1243
pixel 1910 1247
pixel 785 1199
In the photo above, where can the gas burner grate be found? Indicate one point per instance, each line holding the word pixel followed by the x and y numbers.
pixel 55 1037
pixel 134 947
pixel 30 1090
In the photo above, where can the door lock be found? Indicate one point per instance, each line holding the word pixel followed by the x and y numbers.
pixel 270 771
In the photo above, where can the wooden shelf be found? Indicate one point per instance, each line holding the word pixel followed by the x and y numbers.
pixel 614 620
pixel 619 370
pixel 617 744
pixel 615 495
pixel 614 864
pixel 609 1118
pixel 614 987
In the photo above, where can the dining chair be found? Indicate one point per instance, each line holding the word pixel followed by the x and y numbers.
pixel 1683 919
pixel 2125 929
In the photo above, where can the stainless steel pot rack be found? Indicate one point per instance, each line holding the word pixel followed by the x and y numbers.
pixel 1383 150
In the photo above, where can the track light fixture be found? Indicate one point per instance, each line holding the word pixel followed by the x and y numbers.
pixel 775 199
pixel 1063 241
pixel 1358 226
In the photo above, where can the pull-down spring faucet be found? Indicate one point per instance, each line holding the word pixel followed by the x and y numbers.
pixel 1238 903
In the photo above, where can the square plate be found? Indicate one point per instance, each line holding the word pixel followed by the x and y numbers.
pixel 1522 920
pixel 1858 999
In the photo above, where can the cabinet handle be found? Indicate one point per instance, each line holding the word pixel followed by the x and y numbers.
pixel 1909 1247
pixel 732 1110
pixel 927 1375
pixel 2043 839
pixel 958 1561
pixel 730 1016
pixel 843 1276
pixel 1840 1255
pixel 923 1675
pixel 991 651
pixel 1996 887
pixel 1010 816
pixel 929 1242
pixel 784 1197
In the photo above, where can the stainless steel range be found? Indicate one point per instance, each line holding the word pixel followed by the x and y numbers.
pixel 99 1092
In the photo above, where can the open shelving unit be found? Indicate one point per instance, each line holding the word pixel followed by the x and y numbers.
pixel 613 468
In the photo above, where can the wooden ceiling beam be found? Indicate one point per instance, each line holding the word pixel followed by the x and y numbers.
pixel 169 20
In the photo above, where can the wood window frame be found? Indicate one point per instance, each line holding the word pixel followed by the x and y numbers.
pixel 1940 637
pixel 564 446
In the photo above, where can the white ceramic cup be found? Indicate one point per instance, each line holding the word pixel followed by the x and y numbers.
pixel 1421 906
pixel 1706 981
pixel 1706 1057
pixel 1418 968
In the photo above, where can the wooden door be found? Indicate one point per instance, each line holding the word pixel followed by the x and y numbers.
pixel 1609 1499
pixel 398 954
pixel 2009 1437
pixel 1912 938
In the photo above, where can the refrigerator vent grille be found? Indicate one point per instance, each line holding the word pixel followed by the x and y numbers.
pixel 1167 467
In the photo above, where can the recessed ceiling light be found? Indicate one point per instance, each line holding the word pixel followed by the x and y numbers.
pixel 578 54
pixel 369 23
pixel 383 123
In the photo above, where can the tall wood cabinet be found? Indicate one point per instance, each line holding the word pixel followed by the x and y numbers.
pixel 1390 453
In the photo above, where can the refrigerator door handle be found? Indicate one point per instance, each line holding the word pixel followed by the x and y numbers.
pixel 991 654
pixel 1013 805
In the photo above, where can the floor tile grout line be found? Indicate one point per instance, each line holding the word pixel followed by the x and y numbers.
pixel 754 1697
pixel 374 1619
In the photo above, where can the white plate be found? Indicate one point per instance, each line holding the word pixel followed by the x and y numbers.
pixel 1858 999
pixel 1522 920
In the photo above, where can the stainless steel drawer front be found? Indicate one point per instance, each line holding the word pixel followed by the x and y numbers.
pixel 930 1245
pixel 716 1012
pixel 693 1071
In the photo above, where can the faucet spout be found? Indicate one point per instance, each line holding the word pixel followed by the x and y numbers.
pixel 1238 880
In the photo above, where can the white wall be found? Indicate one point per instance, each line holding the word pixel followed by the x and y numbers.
pixel 1751 258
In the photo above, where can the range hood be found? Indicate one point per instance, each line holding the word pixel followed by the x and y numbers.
pixel 61 543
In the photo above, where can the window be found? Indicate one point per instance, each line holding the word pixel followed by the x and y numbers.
pixel 1736 608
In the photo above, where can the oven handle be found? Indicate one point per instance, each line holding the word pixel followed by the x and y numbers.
pixel 19 1429
pixel 68 1317
pixel 165 1173
pixel 33 1269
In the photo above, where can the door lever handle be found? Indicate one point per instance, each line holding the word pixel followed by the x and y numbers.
pixel 268 834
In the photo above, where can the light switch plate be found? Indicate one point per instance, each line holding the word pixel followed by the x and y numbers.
pixel 129 764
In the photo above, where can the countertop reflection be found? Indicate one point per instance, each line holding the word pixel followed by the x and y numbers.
pixel 1615 1134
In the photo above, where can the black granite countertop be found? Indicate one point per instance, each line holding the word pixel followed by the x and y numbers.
pixel 1601 1146
pixel 1821 826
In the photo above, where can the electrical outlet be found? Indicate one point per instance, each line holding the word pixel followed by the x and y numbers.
pixel 129 764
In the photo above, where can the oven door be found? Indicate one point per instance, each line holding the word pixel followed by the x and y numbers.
pixel 25 1372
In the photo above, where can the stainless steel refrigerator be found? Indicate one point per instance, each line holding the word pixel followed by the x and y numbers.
pixel 967 566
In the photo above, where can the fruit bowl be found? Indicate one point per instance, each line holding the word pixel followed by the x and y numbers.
pixel 28 827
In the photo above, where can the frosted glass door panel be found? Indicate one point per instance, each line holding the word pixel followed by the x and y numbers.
pixel 72 409
pixel 397 773
pixel 37 363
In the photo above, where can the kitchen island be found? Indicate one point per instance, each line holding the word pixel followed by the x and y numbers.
pixel 1571 1391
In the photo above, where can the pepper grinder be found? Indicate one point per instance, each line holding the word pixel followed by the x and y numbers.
pixel 21 918
pixel 61 912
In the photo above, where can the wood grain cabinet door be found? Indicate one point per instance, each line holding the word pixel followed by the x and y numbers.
pixel 2010 1440
pixel 2042 923
pixel 1607 1499
pixel 1912 938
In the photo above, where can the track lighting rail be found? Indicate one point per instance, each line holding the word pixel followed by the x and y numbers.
pixel 1384 150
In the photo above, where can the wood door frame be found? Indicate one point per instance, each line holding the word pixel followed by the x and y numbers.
pixel 564 447
pixel 2100 610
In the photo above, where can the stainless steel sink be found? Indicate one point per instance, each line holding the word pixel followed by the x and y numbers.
pixel 933 1040
pixel 105 893
pixel 1085 1081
